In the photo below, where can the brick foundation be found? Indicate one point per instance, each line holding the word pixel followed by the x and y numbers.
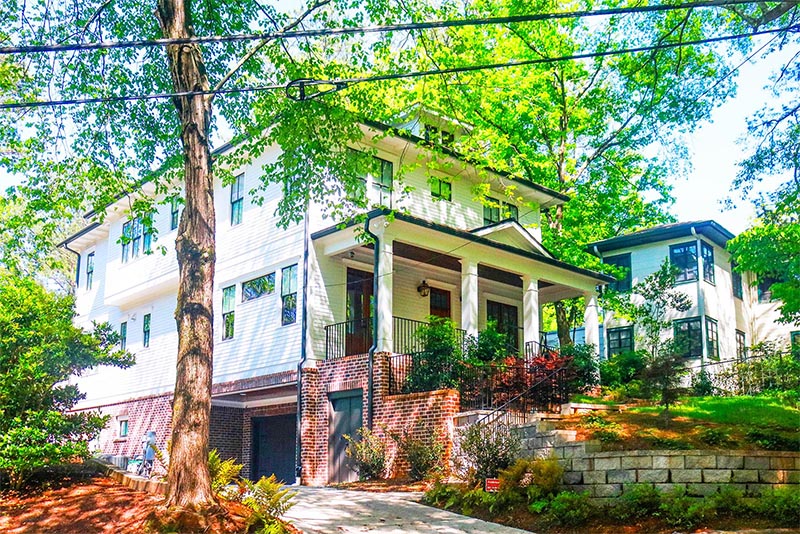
pixel 422 414
pixel 144 414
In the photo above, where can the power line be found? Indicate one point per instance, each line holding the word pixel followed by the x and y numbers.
pixel 302 85
pixel 324 32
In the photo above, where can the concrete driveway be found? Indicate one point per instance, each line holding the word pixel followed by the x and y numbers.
pixel 331 511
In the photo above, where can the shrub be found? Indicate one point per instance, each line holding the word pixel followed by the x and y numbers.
pixel 771 440
pixel 487 449
pixel 542 473
pixel 620 369
pixel 223 472
pixel 729 500
pixel 268 500
pixel 702 385
pixel 477 498
pixel 584 365
pixel 490 346
pixel 637 502
pixel 424 455
pixel 368 451
pixel 570 509
pixel 679 510
pixel 438 365
pixel 781 505
pixel 444 495
pixel 714 436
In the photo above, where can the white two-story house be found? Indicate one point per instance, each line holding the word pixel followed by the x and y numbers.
pixel 730 311
pixel 294 304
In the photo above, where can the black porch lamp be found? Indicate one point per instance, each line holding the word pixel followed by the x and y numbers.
pixel 424 289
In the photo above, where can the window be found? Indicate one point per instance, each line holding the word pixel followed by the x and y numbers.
pixel 505 316
pixel 712 338
pixel 689 337
pixel 765 289
pixel 174 213
pixel 495 211
pixel 123 335
pixel 289 294
pixel 146 330
pixel 228 301
pixel 382 172
pixel 441 189
pixel 123 428
pixel 89 270
pixel 136 239
pixel 708 262
pixel 237 199
pixel 741 345
pixel 620 340
pixel 684 257
pixel 736 281
pixel 257 287
pixel 437 136
pixel 623 261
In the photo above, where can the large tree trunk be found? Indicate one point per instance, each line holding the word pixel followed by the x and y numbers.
pixel 563 324
pixel 188 481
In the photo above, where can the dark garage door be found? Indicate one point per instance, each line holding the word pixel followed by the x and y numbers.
pixel 274 447
pixel 345 419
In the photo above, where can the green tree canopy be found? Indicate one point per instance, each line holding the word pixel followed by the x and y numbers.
pixel 40 352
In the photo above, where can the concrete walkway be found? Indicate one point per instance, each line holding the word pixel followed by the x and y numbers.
pixel 331 511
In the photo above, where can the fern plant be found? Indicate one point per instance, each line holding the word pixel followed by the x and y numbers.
pixel 268 500
pixel 223 472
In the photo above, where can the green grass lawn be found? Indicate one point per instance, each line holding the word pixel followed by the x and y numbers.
pixel 764 411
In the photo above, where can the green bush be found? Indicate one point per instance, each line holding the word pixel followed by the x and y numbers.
pixel 702 385
pixel 439 364
pixel 584 366
pixel 730 501
pixel 679 510
pixel 781 505
pixel 368 452
pixel 445 495
pixel 477 498
pixel 570 509
pixel 268 500
pixel 542 473
pixel 714 436
pixel 490 346
pixel 487 449
pixel 424 455
pixel 222 472
pixel 621 369
pixel 772 440
pixel 637 502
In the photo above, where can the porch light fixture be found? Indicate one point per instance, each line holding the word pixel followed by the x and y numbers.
pixel 424 289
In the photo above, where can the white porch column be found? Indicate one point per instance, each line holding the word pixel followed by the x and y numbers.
pixel 383 304
pixel 530 309
pixel 469 296
pixel 591 322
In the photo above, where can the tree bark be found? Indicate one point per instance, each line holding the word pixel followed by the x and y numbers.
pixel 562 324
pixel 188 480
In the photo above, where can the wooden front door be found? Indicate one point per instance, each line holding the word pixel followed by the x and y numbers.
pixel 440 303
pixel 274 442
pixel 358 336
pixel 346 408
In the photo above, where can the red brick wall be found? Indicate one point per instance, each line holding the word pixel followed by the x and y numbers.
pixel 247 428
pixel 148 413
pixel 423 414
pixel 226 432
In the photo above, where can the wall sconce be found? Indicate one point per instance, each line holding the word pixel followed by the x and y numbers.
pixel 424 289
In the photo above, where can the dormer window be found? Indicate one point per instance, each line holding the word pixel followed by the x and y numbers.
pixel 438 136
pixel 495 211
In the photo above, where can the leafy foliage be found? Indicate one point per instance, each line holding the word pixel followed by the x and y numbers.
pixel 679 510
pixel 584 365
pixel 425 455
pixel 570 508
pixel 268 500
pixel 636 502
pixel 487 449
pixel 439 364
pixel 40 349
pixel 223 472
pixel 621 369
pixel 544 474
pixel 368 452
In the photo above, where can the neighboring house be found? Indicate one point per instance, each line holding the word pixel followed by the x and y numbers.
pixel 295 343
pixel 731 311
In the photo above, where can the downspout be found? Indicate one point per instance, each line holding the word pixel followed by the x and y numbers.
pixel 374 346
pixel 77 265
pixel 701 295
pixel 303 353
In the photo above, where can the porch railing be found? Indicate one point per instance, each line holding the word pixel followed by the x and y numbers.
pixel 347 338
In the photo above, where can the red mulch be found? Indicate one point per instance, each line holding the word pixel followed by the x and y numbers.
pixel 77 507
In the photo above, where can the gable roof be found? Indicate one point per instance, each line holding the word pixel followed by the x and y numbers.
pixel 711 230
pixel 510 232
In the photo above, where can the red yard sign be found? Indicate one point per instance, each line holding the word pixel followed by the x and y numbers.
pixel 493 484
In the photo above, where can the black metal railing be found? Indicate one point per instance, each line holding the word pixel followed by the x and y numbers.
pixel 348 338
pixel 751 375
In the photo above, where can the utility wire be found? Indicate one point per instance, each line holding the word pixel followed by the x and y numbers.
pixel 302 85
pixel 325 32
